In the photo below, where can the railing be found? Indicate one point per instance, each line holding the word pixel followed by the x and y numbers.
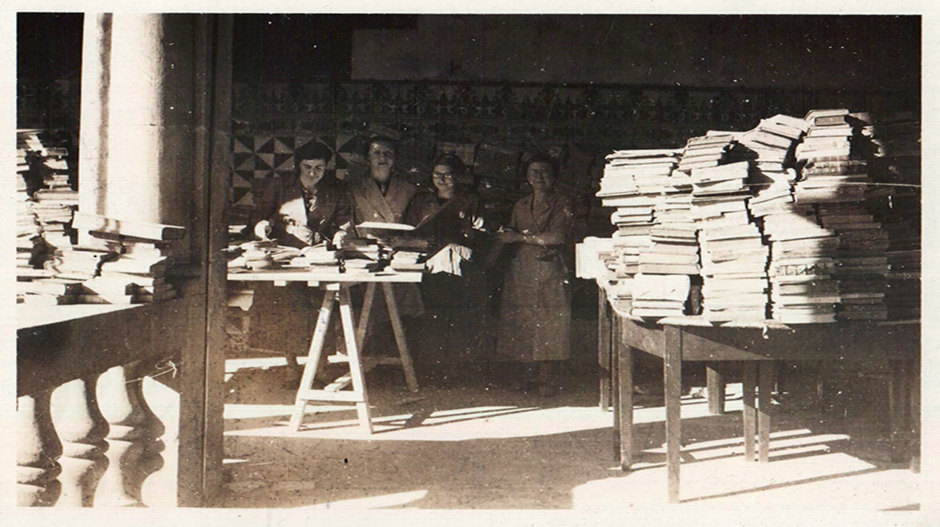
pixel 87 435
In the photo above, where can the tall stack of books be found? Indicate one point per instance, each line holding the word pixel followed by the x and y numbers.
pixel 734 257
pixel 897 205
pixel 834 176
pixel 633 182
pixel 137 274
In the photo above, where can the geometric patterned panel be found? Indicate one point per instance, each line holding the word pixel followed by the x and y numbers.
pixel 258 157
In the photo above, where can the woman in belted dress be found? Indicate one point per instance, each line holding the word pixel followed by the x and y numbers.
pixel 535 309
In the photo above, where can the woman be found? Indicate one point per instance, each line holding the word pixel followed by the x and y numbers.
pixel 304 209
pixel 535 310
pixel 380 195
pixel 307 208
pixel 448 215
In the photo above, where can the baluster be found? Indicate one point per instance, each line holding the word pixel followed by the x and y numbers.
pixel 82 429
pixel 134 438
pixel 37 451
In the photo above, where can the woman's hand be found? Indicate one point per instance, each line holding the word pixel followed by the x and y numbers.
pixel 509 237
pixel 303 234
pixel 263 230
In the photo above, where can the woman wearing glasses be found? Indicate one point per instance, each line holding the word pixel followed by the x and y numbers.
pixel 448 217
pixel 535 311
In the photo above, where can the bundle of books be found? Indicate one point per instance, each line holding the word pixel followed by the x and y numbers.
pixel 316 256
pixel 363 255
pixel 802 259
pixel 403 260
pixel 897 205
pixel 833 168
pixel 633 182
pixel 657 296
pixel 143 254
pixel 705 151
pixel 834 176
pixel 48 291
pixel 734 257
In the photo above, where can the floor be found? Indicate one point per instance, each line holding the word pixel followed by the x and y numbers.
pixel 470 440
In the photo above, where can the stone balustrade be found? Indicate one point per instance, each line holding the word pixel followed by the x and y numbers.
pixel 87 436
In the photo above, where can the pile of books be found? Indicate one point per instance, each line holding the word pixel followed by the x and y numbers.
pixel 706 151
pixel 142 254
pixel 897 205
pixel 657 296
pixel 734 257
pixel 634 182
pixel 835 178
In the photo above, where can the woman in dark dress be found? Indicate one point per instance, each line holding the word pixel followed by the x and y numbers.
pixel 448 217
pixel 305 209
pixel 535 309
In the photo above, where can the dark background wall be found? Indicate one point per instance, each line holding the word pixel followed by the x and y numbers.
pixel 861 52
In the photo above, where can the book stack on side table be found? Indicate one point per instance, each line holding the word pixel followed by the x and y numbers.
pixel 895 200
pixel 734 257
pixel 834 177
pixel 656 296
pixel 633 182
pixel 138 273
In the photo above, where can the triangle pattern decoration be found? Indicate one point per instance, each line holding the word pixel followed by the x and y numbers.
pixel 264 144
pixel 284 145
pixel 284 162
pixel 244 161
pixel 241 196
pixel 267 161
pixel 240 145
pixel 241 179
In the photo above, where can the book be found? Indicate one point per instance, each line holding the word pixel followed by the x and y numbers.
pixel 137 229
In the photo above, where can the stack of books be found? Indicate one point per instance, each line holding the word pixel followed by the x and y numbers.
pixel 408 260
pixel 802 260
pixel 861 266
pixel 734 257
pixel 706 151
pixel 897 205
pixel 834 176
pixel 317 256
pixel 48 291
pixel 656 296
pixel 143 255
pixel 634 182
pixel 833 168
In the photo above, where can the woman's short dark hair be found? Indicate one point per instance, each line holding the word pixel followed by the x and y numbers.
pixel 388 141
pixel 313 150
pixel 450 160
pixel 543 158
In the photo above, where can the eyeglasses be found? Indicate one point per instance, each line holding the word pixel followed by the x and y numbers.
pixel 448 177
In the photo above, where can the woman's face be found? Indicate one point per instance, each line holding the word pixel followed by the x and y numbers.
pixel 443 177
pixel 311 172
pixel 540 176
pixel 381 159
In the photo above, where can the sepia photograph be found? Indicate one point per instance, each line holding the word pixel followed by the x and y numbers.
pixel 613 263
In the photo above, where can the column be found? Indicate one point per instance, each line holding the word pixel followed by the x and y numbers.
pixel 38 449
pixel 82 429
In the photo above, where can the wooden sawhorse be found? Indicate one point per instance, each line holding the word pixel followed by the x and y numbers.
pixel 354 338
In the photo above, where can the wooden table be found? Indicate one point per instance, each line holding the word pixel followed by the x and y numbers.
pixel 336 287
pixel 756 345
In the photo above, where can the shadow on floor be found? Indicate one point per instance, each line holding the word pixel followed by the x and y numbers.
pixel 525 466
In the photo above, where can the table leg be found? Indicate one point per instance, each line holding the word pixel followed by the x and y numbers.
pixel 764 390
pixel 914 386
pixel 672 366
pixel 615 346
pixel 625 410
pixel 364 315
pixel 715 380
pixel 410 379
pixel 313 358
pixel 603 348
pixel 355 362
pixel 750 413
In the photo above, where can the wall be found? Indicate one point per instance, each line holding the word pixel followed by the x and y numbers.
pixel 706 51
